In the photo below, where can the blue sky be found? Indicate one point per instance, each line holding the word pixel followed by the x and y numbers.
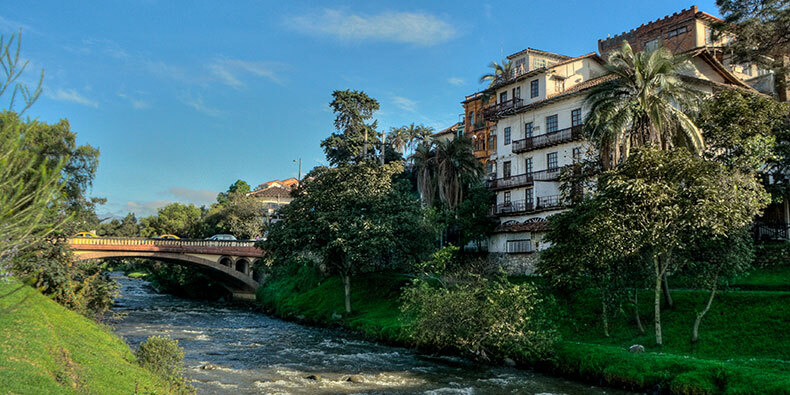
pixel 184 98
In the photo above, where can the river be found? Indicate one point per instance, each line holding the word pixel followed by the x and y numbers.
pixel 237 350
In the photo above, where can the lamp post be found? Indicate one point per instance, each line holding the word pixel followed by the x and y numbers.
pixel 299 174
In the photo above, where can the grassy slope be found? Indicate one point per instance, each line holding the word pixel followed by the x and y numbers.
pixel 744 347
pixel 45 348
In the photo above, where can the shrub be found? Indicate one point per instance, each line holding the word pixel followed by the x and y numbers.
pixel 482 318
pixel 772 254
pixel 162 356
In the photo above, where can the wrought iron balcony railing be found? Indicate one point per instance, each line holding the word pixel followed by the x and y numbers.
pixel 547 140
pixel 517 207
pixel 526 179
pixel 493 111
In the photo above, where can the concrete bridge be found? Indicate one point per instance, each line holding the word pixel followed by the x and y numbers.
pixel 229 262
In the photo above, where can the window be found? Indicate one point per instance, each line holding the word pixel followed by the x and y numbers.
pixel 537 62
pixel 490 141
pixel 559 84
pixel 708 36
pixel 528 165
pixel 506 169
pixel 528 198
pixel 471 118
pixel 577 154
pixel 507 135
pixel 676 32
pixel 551 123
pixel 533 88
pixel 576 117
pixel 517 92
pixel 651 45
pixel 503 97
pixel 551 159
pixel 528 130
pixel 490 167
pixel 507 198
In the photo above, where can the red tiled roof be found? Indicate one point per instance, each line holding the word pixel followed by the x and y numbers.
pixel 272 192
pixel 526 226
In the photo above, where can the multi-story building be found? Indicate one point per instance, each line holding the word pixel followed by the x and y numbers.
pixel 690 31
pixel 538 118
pixel 275 194
pixel 478 129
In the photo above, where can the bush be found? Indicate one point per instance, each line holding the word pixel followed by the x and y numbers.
pixel 772 254
pixel 162 356
pixel 481 318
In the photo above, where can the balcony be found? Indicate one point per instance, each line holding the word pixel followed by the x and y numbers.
pixel 566 135
pixel 522 180
pixel 518 207
pixel 493 111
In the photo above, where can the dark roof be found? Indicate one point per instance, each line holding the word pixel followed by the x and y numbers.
pixel 451 129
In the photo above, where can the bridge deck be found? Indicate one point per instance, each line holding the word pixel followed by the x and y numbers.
pixel 191 246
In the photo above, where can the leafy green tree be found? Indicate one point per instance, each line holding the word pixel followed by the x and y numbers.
pixel 472 217
pixel 241 215
pixel 354 219
pixel 761 29
pixel 644 104
pixel 356 134
pixel 662 198
pixel 126 227
pixel 741 128
pixel 501 71
pixel 238 187
pixel 163 356
pixel 183 220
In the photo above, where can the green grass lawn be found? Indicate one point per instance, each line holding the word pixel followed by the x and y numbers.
pixel 773 278
pixel 744 345
pixel 45 348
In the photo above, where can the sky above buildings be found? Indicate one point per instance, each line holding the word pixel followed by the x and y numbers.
pixel 184 98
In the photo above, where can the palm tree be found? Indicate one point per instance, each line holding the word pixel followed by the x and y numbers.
pixel 503 71
pixel 456 166
pixel 424 159
pixel 644 104
pixel 399 139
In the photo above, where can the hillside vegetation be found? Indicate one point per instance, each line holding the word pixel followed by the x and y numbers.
pixel 46 348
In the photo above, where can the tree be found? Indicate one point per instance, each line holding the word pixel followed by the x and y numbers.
pixel 180 219
pixel 456 167
pixel 501 71
pixel 406 139
pixel 472 220
pixel 353 219
pixel 761 31
pixel 126 227
pixel 717 259
pixel 663 198
pixel 424 159
pixel 238 187
pixel 356 135
pixel 241 215
pixel 644 104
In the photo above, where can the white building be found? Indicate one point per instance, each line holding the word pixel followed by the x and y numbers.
pixel 539 115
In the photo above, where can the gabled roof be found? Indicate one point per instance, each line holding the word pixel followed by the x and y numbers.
pixel 272 192
pixel 539 52
pixel 704 54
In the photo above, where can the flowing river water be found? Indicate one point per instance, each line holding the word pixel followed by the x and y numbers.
pixel 238 350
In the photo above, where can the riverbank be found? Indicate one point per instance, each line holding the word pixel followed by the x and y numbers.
pixel 46 348
pixel 744 347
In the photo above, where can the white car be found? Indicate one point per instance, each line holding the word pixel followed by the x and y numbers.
pixel 222 237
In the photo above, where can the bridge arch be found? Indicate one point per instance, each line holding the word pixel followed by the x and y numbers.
pixel 243 265
pixel 237 282
pixel 226 261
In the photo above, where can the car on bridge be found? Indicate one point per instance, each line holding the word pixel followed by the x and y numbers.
pixel 85 234
pixel 168 236
pixel 222 237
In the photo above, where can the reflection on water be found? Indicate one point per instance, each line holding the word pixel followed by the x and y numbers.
pixel 233 350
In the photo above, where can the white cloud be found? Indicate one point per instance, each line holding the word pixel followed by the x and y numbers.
pixel 198 104
pixel 138 104
pixel 456 81
pixel 399 27
pixel 71 95
pixel 405 104
pixel 144 209
pixel 229 70
pixel 198 197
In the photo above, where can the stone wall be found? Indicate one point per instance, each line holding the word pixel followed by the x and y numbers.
pixel 515 264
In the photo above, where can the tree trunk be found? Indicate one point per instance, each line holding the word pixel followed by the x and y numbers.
pixel 657 300
pixel 695 331
pixel 667 296
pixel 636 312
pixel 604 316
pixel 347 290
